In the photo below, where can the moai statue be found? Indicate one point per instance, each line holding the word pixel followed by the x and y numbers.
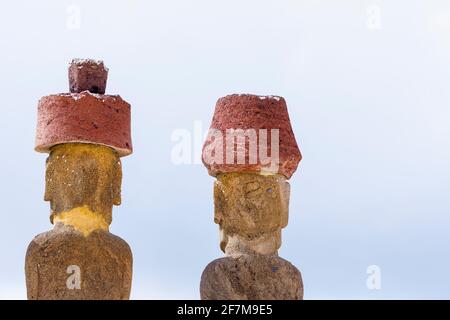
pixel 85 133
pixel 251 199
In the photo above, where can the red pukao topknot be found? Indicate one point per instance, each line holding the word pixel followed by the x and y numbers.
pixel 246 111
pixel 86 115
pixel 87 74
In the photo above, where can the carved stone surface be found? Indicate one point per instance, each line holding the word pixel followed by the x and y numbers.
pixel 250 205
pixel 79 175
pixel 86 118
pixel 260 201
pixel 251 209
pixel 251 277
pixel 85 132
pixel 83 183
pixel 104 262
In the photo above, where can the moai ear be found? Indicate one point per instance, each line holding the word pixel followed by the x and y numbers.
pixel 117 184
pixel 47 195
pixel 278 238
pixel 219 202
pixel 285 192
pixel 223 239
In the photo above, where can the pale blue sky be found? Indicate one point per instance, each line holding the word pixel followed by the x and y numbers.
pixel 369 103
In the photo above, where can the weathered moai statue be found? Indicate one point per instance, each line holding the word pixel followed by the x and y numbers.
pixel 251 151
pixel 85 133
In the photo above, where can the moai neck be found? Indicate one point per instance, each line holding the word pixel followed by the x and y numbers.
pixel 237 245
pixel 83 182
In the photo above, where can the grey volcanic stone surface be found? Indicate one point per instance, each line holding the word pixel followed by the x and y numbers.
pixel 105 262
pixel 251 277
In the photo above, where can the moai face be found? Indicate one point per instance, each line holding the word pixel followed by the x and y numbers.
pixel 250 205
pixel 83 176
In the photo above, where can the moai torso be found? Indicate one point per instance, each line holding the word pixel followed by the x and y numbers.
pixel 251 277
pixel 251 203
pixel 65 264
pixel 85 134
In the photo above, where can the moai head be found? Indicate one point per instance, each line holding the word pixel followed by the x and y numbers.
pixel 83 176
pixel 251 205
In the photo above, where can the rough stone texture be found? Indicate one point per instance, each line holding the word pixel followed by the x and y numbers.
pixel 250 205
pixel 83 182
pixel 251 277
pixel 251 210
pixel 84 118
pixel 105 263
pixel 251 200
pixel 87 74
pixel 83 174
pixel 247 111
pixel 85 133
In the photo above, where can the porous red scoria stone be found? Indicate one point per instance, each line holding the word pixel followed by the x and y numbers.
pixel 246 111
pixel 84 118
pixel 87 74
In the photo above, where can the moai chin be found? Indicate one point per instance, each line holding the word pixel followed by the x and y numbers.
pixel 85 133
pixel 251 151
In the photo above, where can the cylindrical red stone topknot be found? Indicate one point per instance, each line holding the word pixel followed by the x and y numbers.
pixel 87 74
pixel 85 115
pixel 250 116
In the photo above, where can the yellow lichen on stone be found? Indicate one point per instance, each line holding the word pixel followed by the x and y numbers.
pixel 83 220
pixel 83 176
